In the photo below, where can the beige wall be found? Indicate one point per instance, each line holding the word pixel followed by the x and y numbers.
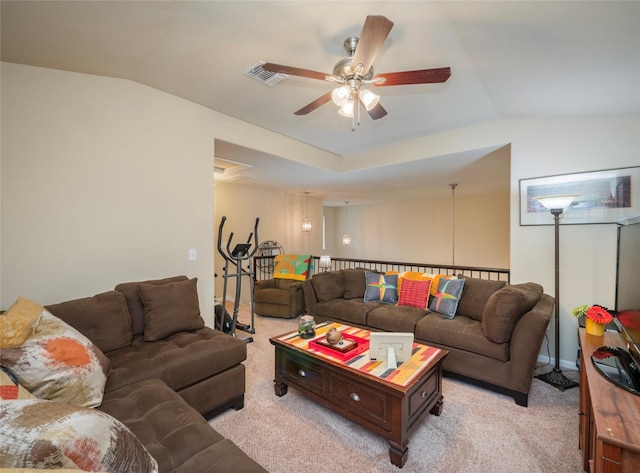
pixel 421 230
pixel 104 181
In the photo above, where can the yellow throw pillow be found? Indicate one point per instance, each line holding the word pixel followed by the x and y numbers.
pixel 18 322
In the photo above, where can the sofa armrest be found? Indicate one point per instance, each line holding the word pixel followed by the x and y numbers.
pixel 310 297
pixel 265 284
pixel 526 342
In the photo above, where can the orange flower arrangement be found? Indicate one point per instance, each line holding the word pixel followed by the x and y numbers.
pixel 629 318
pixel 597 313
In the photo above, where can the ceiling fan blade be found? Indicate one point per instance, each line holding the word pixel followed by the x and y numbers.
pixel 374 33
pixel 315 104
pixel 422 76
pixel 377 112
pixel 295 71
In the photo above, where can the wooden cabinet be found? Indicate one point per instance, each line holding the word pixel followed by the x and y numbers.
pixel 609 430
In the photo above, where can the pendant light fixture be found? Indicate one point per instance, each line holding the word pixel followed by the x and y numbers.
pixel 346 239
pixel 306 223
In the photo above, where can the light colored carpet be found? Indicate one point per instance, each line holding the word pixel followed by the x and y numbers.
pixel 478 430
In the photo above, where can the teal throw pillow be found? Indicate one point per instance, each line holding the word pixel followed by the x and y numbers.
pixel 446 299
pixel 381 288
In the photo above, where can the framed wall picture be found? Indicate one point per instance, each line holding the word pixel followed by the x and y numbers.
pixel 601 196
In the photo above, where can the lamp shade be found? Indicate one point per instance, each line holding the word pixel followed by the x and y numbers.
pixel 346 110
pixel 340 95
pixel 346 239
pixel 368 99
pixel 556 201
pixel 325 261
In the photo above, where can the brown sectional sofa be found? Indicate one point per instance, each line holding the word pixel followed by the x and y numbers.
pixel 167 371
pixel 493 340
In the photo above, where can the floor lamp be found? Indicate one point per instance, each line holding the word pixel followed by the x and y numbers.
pixel 556 205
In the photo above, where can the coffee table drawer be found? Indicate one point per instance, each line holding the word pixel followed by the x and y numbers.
pixel 369 403
pixel 302 372
pixel 424 395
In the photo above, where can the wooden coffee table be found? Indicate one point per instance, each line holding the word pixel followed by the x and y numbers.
pixel 387 402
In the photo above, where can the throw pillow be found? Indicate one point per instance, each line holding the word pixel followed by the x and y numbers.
pixel 414 293
pixel 104 319
pixel 43 434
pixel 446 299
pixel 436 282
pixel 291 267
pixel 131 291
pixel 10 390
pixel 18 322
pixel 381 288
pixel 170 308
pixel 60 364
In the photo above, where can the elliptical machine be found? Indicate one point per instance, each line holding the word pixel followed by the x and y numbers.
pixel 236 256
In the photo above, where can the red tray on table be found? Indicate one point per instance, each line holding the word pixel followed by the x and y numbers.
pixel 361 345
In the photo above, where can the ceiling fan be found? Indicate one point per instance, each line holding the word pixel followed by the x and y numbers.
pixel 355 71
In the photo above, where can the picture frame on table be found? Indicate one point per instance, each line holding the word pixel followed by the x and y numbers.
pixel 605 196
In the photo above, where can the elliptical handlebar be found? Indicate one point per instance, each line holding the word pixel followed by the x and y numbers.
pixel 241 252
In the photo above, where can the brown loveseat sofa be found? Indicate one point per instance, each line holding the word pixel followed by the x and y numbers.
pixel 167 371
pixel 494 338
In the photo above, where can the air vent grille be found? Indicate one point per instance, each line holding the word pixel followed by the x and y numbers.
pixel 258 73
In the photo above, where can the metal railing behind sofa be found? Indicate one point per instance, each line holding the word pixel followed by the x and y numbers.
pixel 263 268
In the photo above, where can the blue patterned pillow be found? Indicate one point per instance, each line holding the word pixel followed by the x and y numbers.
pixel 381 288
pixel 446 299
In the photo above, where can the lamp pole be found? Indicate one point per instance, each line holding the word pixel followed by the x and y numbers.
pixel 555 377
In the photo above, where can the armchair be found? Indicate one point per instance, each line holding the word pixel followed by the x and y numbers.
pixel 282 296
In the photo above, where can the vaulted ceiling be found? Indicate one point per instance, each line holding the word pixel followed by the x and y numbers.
pixel 508 59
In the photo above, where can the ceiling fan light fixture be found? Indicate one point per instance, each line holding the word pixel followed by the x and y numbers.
pixel 369 99
pixel 340 95
pixel 347 109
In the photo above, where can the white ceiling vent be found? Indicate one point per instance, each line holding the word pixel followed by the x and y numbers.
pixel 258 73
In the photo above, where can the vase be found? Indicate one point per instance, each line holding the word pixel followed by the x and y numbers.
pixel 593 328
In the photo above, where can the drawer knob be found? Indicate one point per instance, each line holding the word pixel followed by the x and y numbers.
pixel 423 394
pixel 302 373
pixel 355 397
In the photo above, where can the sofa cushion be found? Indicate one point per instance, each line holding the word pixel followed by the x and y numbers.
pixel 394 318
pixel 58 363
pixel 463 333
pixel 381 288
pixel 169 428
pixel 354 283
pixel 352 311
pixel 104 319
pixel 170 308
pixel 328 286
pixel 445 301
pixel 136 308
pixel 505 307
pixel 414 293
pixel 44 434
pixel 475 296
pixel 19 322
pixel 180 360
